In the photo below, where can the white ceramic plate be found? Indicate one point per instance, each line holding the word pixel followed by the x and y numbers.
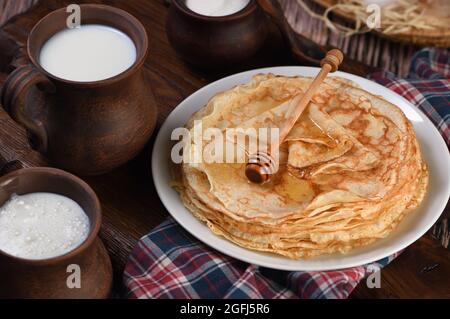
pixel 410 229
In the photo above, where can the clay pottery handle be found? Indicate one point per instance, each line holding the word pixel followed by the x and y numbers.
pixel 7 167
pixel 14 101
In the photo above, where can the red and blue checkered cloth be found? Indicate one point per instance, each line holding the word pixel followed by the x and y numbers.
pixel 170 263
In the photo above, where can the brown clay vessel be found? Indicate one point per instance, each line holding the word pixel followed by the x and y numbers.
pixel 84 127
pixel 23 278
pixel 216 42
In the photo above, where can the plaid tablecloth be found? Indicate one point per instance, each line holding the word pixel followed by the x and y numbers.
pixel 427 86
pixel 170 263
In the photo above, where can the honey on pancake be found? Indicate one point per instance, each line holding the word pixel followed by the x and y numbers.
pixel 313 130
pixel 294 188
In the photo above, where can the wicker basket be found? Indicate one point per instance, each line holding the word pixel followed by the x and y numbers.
pixel 379 51
pixel 438 38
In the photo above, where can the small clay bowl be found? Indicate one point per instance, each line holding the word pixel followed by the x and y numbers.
pixel 47 278
pixel 216 42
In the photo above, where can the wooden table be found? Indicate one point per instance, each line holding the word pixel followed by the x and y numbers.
pixel 131 207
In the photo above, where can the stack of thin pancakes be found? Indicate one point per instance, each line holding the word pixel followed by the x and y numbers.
pixel 350 169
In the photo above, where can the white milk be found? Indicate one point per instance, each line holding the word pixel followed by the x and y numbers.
pixel 216 8
pixel 91 52
pixel 41 226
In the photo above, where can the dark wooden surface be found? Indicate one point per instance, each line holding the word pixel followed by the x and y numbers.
pixel 131 207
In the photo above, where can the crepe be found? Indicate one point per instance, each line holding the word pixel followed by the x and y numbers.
pixel 350 169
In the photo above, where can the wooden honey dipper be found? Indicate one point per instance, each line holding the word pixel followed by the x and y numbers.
pixel 261 166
